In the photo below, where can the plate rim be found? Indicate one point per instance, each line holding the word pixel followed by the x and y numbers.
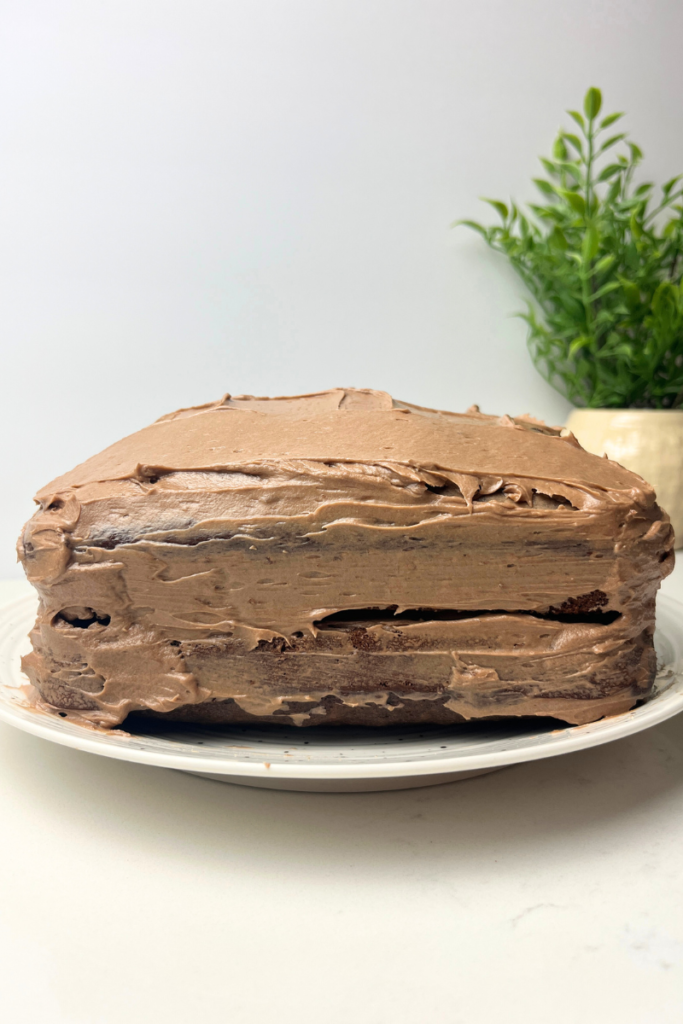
pixel 662 706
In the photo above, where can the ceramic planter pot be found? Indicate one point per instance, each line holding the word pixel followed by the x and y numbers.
pixel 648 441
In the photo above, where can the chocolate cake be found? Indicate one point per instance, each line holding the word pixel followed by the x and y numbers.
pixel 344 558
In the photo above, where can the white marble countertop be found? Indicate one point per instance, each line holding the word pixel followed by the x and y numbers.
pixel 547 892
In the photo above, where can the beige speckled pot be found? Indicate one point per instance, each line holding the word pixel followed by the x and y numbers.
pixel 648 441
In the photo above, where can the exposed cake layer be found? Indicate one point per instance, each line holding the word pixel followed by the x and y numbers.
pixel 199 562
pixel 473 666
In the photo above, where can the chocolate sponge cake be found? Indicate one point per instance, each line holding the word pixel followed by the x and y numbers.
pixel 342 558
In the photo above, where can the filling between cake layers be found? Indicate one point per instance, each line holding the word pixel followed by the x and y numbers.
pixel 308 589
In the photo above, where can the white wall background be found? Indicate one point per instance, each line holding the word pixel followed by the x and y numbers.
pixel 200 196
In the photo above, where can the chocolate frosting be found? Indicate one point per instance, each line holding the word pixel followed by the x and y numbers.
pixel 254 519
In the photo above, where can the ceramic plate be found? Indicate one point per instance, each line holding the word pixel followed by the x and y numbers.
pixel 340 759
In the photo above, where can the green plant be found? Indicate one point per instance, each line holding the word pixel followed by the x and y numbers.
pixel 605 266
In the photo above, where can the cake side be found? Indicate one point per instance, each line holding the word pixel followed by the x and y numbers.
pixel 222 591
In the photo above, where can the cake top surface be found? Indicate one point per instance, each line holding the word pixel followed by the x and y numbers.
pixel 348 425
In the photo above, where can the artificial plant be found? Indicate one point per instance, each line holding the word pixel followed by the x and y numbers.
pixel 603 259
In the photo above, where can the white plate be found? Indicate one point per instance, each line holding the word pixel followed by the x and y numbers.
pixel 341 759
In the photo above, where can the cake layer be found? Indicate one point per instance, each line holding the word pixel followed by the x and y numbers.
pixel 472 666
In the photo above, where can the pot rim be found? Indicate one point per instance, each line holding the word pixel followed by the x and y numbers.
pixel 629 409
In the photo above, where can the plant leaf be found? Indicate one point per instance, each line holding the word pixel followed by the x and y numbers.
pixel 471 224
pixel 610 119
pixel 666 188
pixel 501 208
pixel 631 293
pixel 612 141
pixel 612 195
pixel 577 117
pixel 578 344
pixel 544 186
pixel 574 140
pixel 550 167
pixel 591 242
pixel 609 171
pixel 667 310
pixel 576 201
pixel 611 286
pixel 592 103
pixel 558 239
pixel 559 149
pixel 605 263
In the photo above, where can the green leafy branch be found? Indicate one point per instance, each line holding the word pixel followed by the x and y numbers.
pixel 603 259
